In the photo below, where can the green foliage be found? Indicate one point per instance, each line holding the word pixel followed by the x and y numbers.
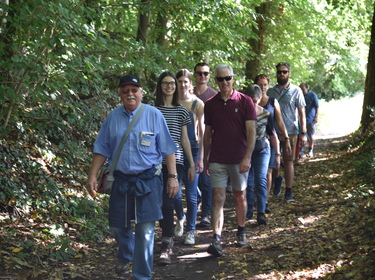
pixel 61 250
pixel 60 62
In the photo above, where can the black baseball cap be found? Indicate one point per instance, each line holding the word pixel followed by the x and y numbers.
pixel 129 80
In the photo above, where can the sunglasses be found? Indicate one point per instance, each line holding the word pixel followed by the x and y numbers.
pixel 165 84
pixel 203 73
pixel 282 72
pixel 221 79
pixel 132 90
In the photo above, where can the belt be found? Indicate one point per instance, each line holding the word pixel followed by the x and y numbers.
pixel 134 175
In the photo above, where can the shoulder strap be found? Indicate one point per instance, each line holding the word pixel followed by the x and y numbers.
pixel 194 104
pixel 272 101
pixel 282 96
pixel 123 140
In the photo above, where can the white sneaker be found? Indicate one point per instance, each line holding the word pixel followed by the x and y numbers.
pixel 179 228
pixel 311 153
pixel 190 238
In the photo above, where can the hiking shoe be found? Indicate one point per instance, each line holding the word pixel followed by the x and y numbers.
pixel 215 249
pixel 190 238
pixel 267 211
pixel 205 221
pixel 179 228
pixel 166 251
pixel 241 240
pixel 121 268
pixel 288 195
pixel 261 219
pixel 249 215
pixel 278 184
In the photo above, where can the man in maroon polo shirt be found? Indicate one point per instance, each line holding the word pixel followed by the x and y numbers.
pixel 229 139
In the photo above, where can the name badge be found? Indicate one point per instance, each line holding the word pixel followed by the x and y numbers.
pixel 146 143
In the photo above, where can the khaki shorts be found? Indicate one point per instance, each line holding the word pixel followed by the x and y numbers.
pixel 220 174
pixel 293 138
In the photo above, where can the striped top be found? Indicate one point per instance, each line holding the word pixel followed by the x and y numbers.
pixel 176 117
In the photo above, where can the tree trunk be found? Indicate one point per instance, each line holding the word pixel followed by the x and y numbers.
pixel 368 110
pixel 144 21
pixel 253 65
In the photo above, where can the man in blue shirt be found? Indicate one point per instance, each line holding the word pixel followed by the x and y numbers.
pixel 312 111
pixel 138 186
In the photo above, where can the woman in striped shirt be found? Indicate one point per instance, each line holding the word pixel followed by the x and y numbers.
pixel 177 118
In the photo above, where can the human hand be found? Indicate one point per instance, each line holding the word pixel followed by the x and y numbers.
pixel 288 148
pixel 199 166
pixel 245 165
pixel 191 173
pixel 91 186
pixel 172 187
pixel 303 140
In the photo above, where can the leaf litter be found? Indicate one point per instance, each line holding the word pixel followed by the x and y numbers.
pixel 326 233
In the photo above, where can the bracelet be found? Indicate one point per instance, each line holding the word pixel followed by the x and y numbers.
pixel 286 138
pixel 278 154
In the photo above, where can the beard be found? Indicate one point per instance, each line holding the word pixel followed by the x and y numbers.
pixel 282 82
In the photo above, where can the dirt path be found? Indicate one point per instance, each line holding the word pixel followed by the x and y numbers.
pixel 316 235
pixel 264 252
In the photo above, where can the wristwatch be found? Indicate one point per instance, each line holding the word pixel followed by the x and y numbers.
pixel 304 133
pixel 174 176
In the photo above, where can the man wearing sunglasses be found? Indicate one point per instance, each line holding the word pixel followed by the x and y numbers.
pixel 229 139
pixel 292 105
pixel 204 92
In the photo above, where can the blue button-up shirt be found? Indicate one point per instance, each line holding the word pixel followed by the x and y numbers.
pixel 148 142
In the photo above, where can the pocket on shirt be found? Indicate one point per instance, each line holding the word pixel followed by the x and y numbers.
pixel 147 142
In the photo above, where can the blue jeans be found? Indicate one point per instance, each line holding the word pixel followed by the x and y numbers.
pixel 204 184
pixel 191 192
pixel 258 178
pixel 169 204
pixel 138 248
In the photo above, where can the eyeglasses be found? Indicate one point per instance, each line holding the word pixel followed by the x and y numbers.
pixel 282 72
pixel 165 84
pixel 203 73
pixel 132 90
pixel 221 79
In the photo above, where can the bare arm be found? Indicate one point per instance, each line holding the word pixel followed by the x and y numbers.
pixel 250 143
pixel 187 148
pixel 280 124
pixel 172 184
pixel 200 120
pixel 316 114
pixel 206 146
pixel 92 181
pixel 275 143
pixel 302 121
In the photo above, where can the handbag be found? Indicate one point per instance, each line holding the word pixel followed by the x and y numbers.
pixel 106 177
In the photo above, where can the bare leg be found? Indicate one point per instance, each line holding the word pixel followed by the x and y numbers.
pixel 217 209
pixel 241 206
pixel 288 173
